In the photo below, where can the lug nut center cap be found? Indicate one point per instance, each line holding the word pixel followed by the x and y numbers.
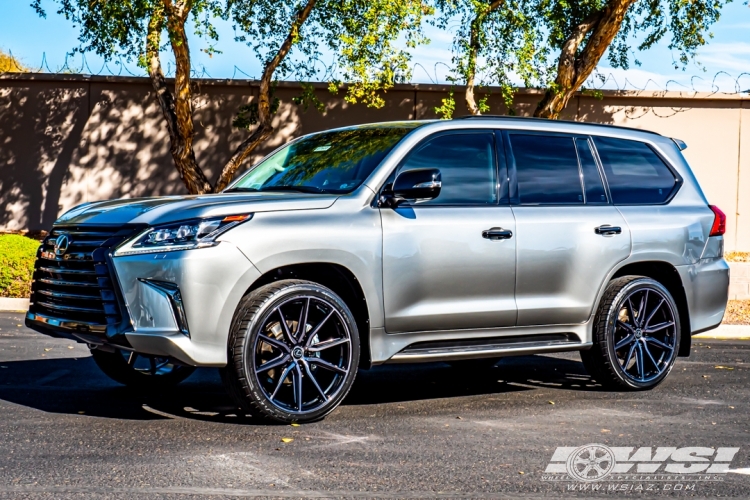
pixel 638 333
pixel 297 352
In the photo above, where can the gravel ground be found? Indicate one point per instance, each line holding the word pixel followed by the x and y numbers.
pixel 738 313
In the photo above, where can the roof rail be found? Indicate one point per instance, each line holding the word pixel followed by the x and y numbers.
pixel 534 118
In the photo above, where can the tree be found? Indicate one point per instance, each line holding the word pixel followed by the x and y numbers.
pixel 584 31
pixel 9 64
pixel 284 34
pixel 494 40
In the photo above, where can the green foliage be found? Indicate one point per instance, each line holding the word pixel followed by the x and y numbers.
pixel 308 98
pixel 9 64
pixel 448 107
pixel 17 255
pixel 362 35
pixel 118 28
pixel 494 44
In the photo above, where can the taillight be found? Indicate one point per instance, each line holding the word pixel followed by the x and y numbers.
pixel 720 221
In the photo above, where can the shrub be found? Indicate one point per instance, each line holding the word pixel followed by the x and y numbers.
pixel 17 254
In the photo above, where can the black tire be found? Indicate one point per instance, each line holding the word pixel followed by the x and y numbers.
pixel 309 375
pixel 629 351
pixel 474 365
pixel 137 370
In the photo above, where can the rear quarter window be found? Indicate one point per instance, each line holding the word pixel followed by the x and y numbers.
pixel 635 173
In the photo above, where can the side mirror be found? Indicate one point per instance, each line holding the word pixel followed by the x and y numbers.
pixel 421 184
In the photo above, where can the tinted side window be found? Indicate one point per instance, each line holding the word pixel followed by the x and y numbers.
pixel 546 170
pixel 636 175
pixel 592 179
pixel 467 167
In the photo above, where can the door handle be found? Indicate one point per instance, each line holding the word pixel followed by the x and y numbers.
pixel 607 230
pixel 497 233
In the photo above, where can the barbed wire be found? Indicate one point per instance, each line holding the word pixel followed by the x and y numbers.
pixel 721 83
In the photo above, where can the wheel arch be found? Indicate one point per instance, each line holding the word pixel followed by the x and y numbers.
pixel 342 282
pixel 666 274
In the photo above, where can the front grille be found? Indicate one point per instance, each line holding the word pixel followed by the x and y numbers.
pixel 73 284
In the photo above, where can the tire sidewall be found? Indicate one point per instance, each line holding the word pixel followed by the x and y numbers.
pixel 282 296
pixel 612 313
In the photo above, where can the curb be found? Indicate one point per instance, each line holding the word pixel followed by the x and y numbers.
pixel 727 332
pixel 13 305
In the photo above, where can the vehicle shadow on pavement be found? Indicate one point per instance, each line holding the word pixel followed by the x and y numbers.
pixel 400 383
pixel 75 386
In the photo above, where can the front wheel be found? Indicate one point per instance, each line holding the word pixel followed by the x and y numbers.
pixel 139 370
pixel 636 335
pixel 293 352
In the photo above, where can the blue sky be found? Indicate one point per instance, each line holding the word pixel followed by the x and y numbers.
pixel 32 39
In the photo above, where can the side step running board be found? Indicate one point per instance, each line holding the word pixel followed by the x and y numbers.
pixel 488 348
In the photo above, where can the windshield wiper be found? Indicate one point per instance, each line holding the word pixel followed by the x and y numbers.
pixel 301 189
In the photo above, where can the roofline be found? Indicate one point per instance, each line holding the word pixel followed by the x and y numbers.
pixel 547 120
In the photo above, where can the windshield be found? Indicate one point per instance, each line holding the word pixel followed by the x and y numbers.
pixel 330 162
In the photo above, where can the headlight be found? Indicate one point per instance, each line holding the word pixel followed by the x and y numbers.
pixel 180 236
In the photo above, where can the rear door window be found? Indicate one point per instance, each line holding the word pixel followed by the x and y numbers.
pixel 635 173
pixel 547 170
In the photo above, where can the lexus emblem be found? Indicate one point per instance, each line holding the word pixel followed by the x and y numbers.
pixel 61 245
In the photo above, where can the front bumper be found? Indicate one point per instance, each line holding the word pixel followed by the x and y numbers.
pixel 176 304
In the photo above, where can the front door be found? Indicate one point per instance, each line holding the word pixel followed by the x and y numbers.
pixel 442 270
pixel 569 236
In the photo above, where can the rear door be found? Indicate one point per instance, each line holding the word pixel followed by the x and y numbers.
pixel 442 270
pixel 569 235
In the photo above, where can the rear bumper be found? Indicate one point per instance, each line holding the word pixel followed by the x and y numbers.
pixel 706 286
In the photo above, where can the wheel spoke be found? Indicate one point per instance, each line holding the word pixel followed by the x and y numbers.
pixel 131 359
pixel 624 342
pixel 302 323
pixel 659 343
pixel 297 376
pixel 648 352
pixel 309 372
pixel 274 342
pixel 317 328
pixel 639 361
pixel 152 363
pixel 632 312
pixel 642 308
pixel 327 344
pixel 283 377
pixel 626 326
pixel 285 327
pixel 326 364
pixel 278 361
pixel 660 326
pixel 630 356
pixel 650 316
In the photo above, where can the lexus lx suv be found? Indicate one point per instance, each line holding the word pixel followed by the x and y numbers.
pixel 401 242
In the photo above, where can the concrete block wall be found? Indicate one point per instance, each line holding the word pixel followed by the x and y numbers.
pixel 739 281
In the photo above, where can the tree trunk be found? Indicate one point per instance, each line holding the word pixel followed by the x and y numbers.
pixel 573 68
pixel 177 111
pixel 474 46
pixel 265 127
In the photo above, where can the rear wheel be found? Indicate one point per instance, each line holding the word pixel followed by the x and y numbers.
pixel 293 352
pixel 139 370
pixel 636 335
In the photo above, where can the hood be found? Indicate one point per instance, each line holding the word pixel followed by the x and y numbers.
pixel 167 209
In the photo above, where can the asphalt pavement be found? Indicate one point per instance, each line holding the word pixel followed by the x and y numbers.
pixel 420 431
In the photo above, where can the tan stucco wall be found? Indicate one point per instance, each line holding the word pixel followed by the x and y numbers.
pixel 68 139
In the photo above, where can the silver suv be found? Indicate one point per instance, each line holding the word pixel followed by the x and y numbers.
pixel 401 242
